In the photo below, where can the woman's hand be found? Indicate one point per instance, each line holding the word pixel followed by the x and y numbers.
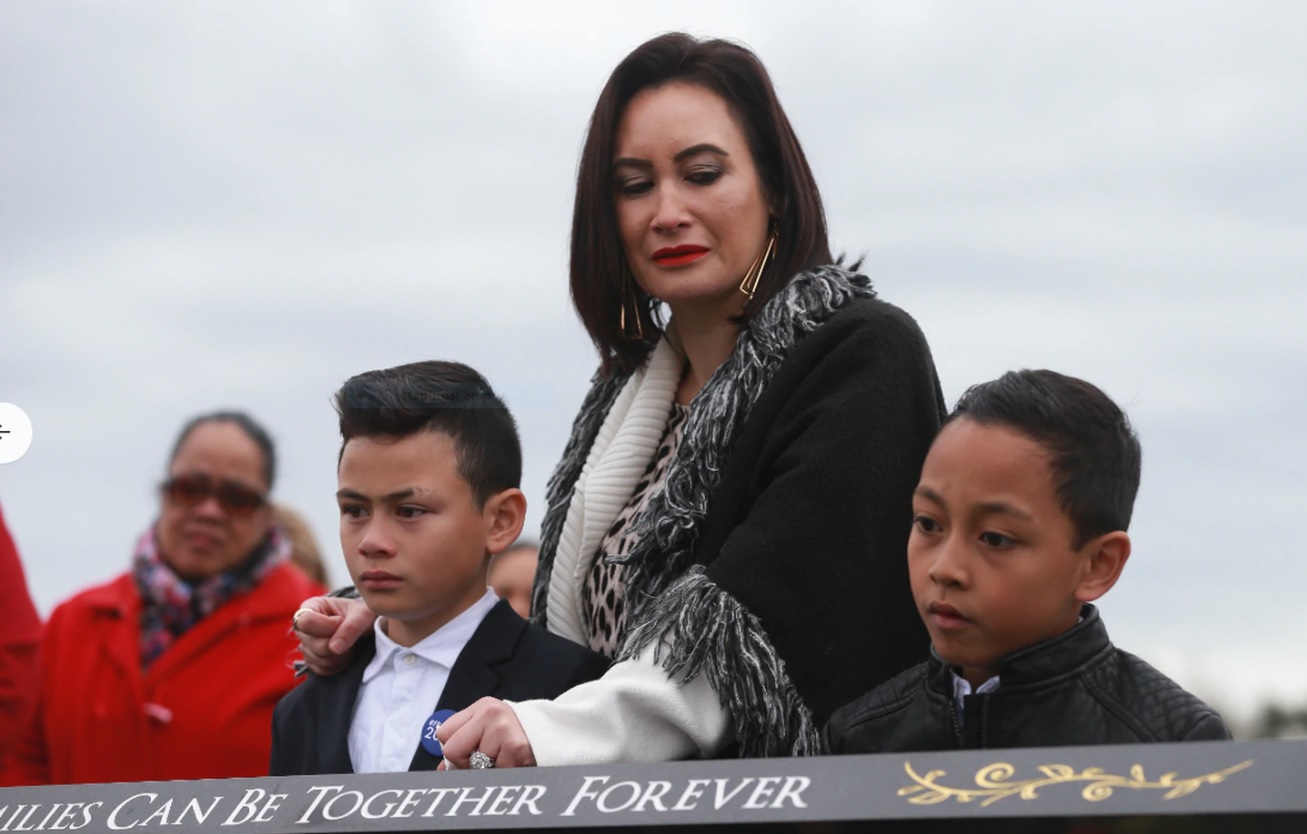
pixel 328 628
pixel 490 726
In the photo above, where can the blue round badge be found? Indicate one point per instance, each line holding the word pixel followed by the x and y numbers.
pixel 430 743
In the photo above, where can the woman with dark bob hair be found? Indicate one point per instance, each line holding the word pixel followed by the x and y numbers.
pixel 730 517
pixel 172 669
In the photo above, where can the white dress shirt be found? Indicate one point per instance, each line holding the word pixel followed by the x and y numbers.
pixel 962 688
pixel 400 689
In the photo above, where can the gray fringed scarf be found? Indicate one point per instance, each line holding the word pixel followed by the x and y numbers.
pixel 699 628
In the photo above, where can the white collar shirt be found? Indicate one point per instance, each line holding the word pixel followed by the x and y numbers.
pixel 400 689
pixel 961 689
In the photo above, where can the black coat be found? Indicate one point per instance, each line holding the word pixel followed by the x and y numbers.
pixel 1074 689
pixel 774 559
pixel 506 657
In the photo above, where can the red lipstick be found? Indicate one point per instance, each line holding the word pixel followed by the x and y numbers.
pixel 679 255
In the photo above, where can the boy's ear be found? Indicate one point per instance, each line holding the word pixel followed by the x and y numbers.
pixel 505 513
pixel 1107 555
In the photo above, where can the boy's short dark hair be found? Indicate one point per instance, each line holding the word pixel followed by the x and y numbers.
pixel 445 397
pixel 1094 454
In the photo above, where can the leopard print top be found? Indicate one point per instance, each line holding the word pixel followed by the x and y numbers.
pixel 602 603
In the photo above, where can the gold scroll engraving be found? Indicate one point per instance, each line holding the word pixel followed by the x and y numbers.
pixel 993 782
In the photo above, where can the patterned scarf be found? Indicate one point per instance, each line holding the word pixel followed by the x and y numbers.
pixel 170 605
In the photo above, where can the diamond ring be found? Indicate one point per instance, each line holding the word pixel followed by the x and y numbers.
pixel 480 761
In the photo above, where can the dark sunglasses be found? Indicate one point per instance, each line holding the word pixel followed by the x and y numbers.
pixel 234 499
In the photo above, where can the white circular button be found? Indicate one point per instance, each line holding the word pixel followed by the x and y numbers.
pixel 409 660
pixel 15 433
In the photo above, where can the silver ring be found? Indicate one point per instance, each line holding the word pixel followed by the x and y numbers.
pixel 480 761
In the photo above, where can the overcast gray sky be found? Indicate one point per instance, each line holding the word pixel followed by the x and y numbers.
pixel 212 204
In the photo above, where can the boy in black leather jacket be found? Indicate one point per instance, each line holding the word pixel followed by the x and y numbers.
pixel 1019 522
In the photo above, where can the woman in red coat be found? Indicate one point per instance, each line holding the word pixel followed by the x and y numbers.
pixel 172 670
pixel 20 637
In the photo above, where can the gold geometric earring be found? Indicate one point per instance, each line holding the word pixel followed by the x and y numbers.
pixel 749 285
pixel 628 293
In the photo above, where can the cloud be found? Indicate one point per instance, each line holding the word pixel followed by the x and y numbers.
pixel 212 204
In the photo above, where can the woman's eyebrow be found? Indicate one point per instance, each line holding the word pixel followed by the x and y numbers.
pixel 702 147
pixel 644 164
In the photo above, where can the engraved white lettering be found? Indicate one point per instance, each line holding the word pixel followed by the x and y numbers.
pixel 331 803
pixel 248 808
pixel 766 787
pixel 653 792
pixel 40 826
pixel 530 793
pixel 584 793
pixel 66 818
pixel 693 790
pixel 721 783
pixel 22 824
pixel 599 793
pixel 465 796
pixel 112 822
pixel 440 793
pixel 161 813
pixel 272 804
pixel 369 814
pixel 321 791
pixel 602 801
pixel 794 785
pixel 500 806
pixel 410 800
pixel 193 808
pixel 86 815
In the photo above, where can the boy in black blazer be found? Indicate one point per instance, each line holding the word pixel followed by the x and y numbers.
pixel 428 478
